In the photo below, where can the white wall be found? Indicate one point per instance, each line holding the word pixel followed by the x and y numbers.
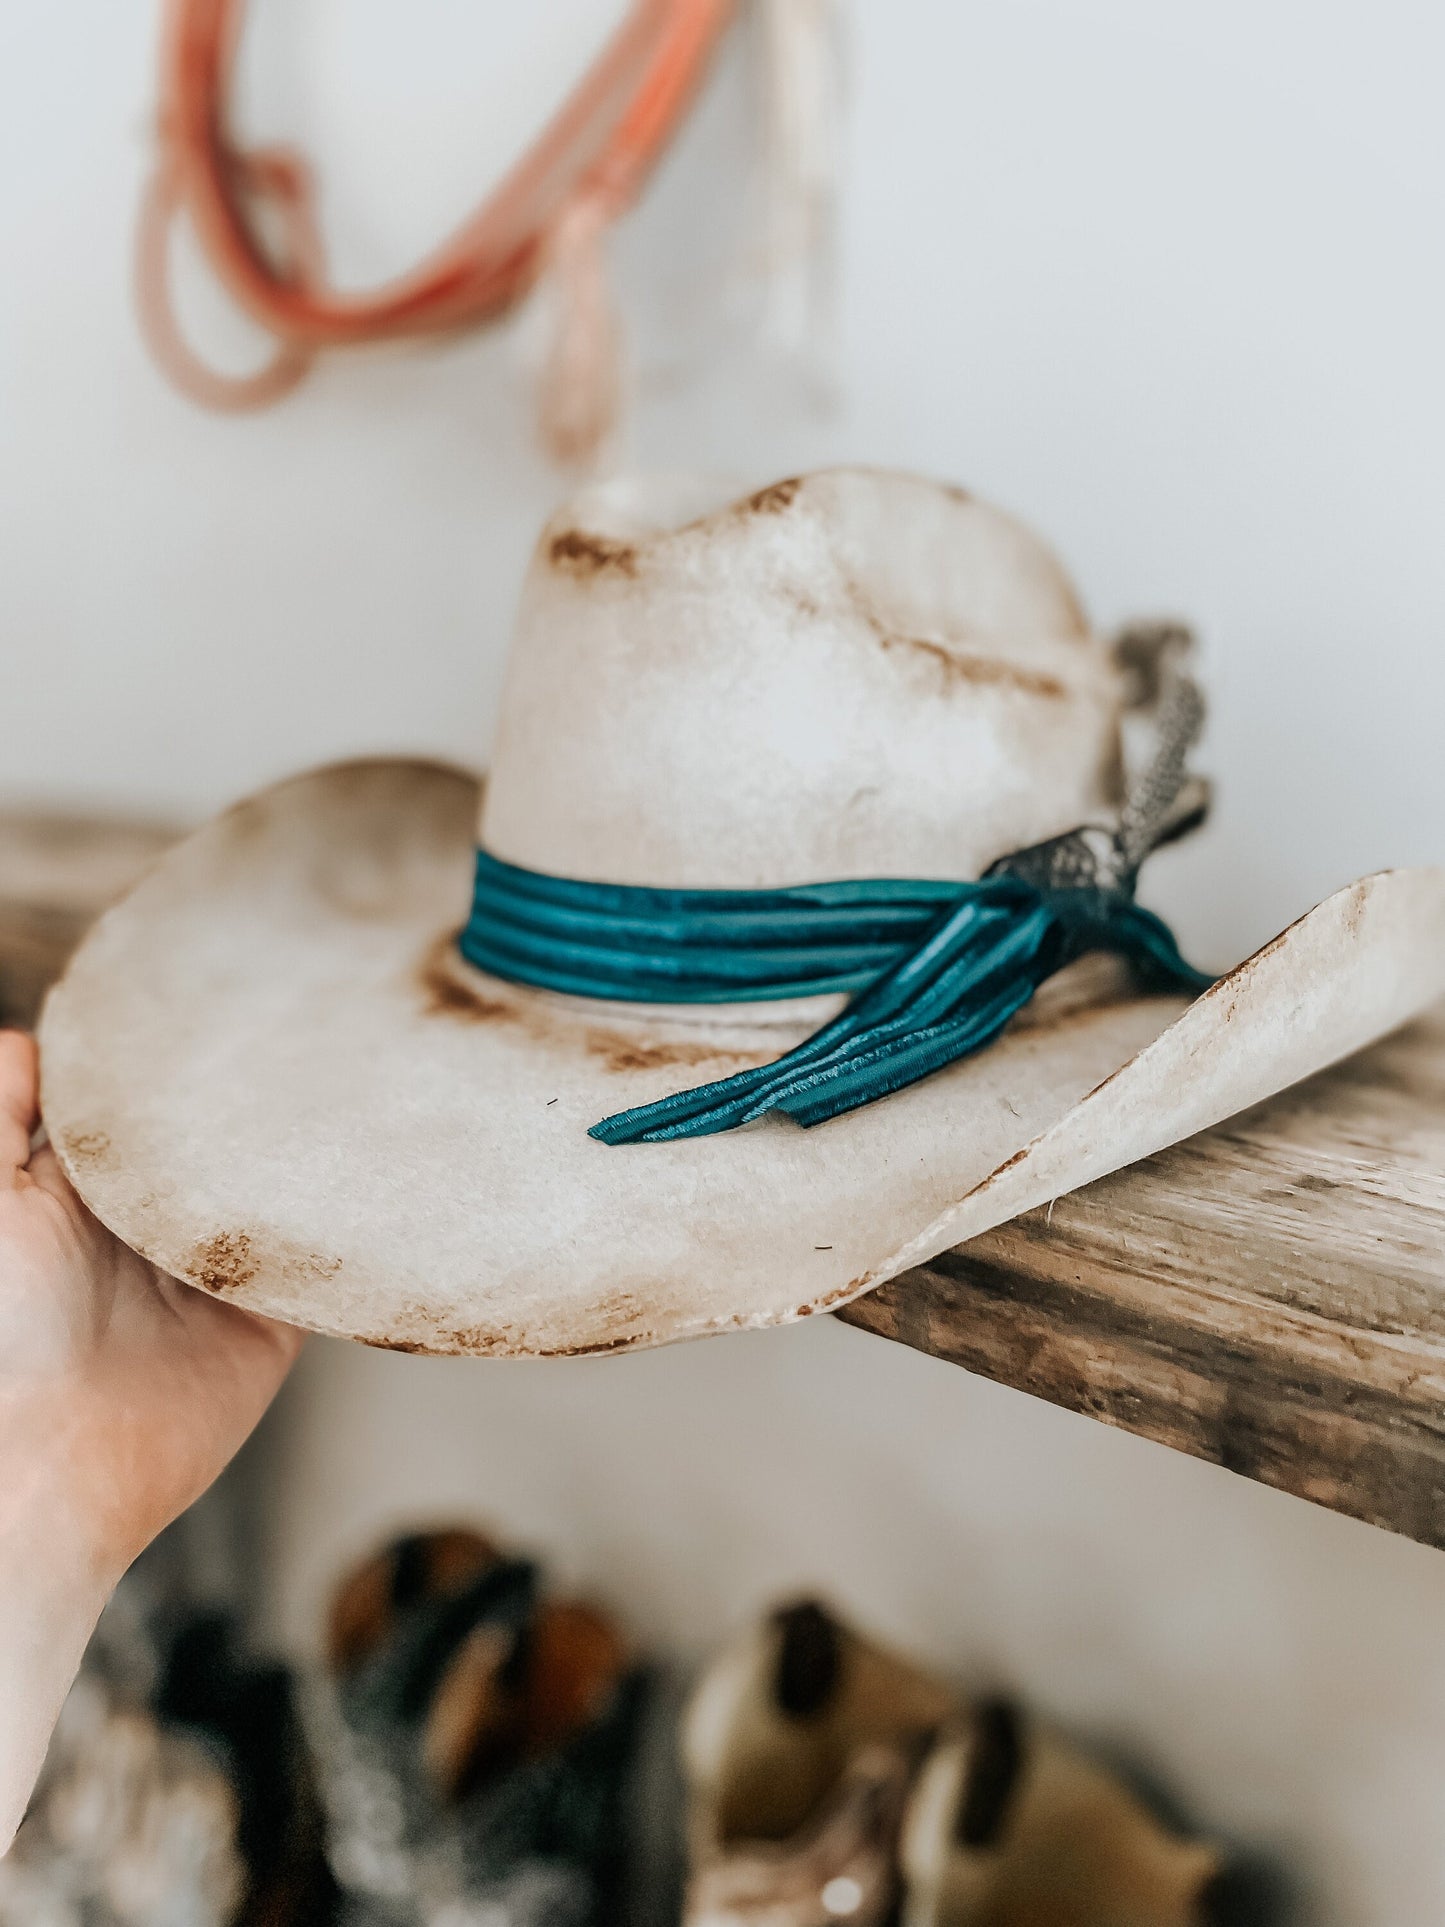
pixel 1166 279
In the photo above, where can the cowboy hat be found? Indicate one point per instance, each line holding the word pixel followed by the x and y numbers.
pixel 797 798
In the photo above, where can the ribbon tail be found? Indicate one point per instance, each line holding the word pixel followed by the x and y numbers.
pixel 950 997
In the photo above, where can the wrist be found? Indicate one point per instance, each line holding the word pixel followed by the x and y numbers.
pixel 56 1573
pixel 52 1443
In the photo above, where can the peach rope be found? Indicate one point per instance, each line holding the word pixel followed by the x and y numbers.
pixel 588 164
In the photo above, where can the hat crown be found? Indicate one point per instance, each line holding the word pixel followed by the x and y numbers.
pixel 851 673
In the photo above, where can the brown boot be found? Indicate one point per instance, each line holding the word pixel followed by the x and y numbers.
pixel 1008 1825
pixel 474 1738
pixel 799 1744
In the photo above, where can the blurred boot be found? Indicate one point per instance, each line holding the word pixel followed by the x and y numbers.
pixel 1008 1825
pixel 798 1745
pixel 132 1825
pixel 475 1742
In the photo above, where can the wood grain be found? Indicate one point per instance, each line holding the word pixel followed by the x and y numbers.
pixel 1269 1295
pixel 57 873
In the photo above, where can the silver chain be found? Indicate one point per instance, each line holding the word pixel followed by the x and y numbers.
pixel 1161 801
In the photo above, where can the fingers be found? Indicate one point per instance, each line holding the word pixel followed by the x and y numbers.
pixel 288 1339
pixel 45 1172
pixel 283 1341
pixel 19 1101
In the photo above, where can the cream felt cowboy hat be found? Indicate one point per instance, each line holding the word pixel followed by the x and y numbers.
pixel 846 745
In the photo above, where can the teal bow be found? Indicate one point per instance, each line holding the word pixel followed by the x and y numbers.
pixel 935 970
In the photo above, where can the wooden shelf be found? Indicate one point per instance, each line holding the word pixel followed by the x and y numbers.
pixel 1269 1295
pixel 57 873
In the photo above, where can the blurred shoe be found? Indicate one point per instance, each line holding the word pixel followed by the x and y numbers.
pixel 132 1825
pixel 1010 1826
pixel 176 1791
pixel 474 1742
pixel 243 1710
pixel 798 1745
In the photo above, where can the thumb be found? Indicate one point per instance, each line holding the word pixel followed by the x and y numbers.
pixel 19 1102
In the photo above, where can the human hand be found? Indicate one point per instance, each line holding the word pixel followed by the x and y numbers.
pixel 123 1393
pixel 139 1388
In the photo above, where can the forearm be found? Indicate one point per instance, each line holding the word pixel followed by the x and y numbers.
pixel 53 1582
pixel 122 1395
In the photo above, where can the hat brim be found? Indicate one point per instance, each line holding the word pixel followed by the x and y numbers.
pixel 267 1072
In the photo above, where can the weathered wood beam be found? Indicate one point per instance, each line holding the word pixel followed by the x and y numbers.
pixel 57 873
pixel 1269 1295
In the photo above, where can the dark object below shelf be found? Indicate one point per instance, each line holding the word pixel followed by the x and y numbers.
pixel 1269 1295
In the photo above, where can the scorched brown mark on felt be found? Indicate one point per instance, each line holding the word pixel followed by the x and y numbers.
pixel 1228 990
pixel 223 1263
pixel 86 1147
pixel 807 606
pixel 979 670
pixel 622 1053
pixel 448 994
pixel 579 553
pixel 444 994
pixel 775 498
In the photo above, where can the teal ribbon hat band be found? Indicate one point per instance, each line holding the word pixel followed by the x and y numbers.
pixel 935 971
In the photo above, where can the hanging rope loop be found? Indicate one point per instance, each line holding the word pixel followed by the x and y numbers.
pixel 594 154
